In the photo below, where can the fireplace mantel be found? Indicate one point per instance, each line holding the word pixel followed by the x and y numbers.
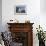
pixel 22 33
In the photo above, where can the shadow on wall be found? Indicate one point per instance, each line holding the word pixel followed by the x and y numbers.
pixel 43 6
pixel 0 15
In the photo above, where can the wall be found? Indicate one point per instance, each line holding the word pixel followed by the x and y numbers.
pixel 34 14
pixel 33 10
pixel 0 15
pixel 43 14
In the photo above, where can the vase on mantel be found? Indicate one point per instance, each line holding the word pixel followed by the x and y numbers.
pixel 27 21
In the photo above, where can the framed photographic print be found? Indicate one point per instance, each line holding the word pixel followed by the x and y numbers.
pixel 20 9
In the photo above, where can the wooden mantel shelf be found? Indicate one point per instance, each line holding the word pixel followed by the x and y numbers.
pixel 20 23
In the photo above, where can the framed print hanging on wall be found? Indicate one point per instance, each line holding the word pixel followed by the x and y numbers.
pixel 20 10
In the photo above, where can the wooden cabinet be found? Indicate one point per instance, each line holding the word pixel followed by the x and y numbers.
pixel 22 33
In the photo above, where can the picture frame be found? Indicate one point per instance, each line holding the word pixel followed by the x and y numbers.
pixel 20 10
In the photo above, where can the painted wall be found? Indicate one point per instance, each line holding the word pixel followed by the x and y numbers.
pixel 34 14
pixel 43 14
pixel 0 15
pixel 43 6
pixel 33 10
